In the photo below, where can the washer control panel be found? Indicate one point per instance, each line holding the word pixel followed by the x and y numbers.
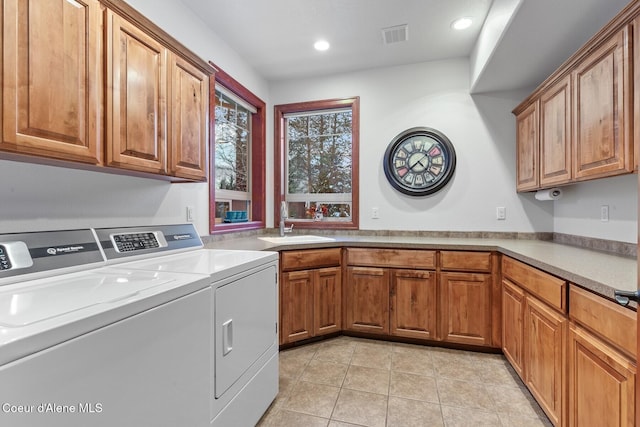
pixel 129 242
pixel 14 255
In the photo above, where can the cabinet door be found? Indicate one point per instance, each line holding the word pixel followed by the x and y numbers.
pixel 413 304
pixel 136 98
pixel 602 105
pixel 296 306
pixel 601 383
pixel 327 301
pixel 544 361
pixel 513 325
pixel 367 300
pixel 555 134
pixel 188 124
pixel 466 308
pixel 527 148
pixel 52 79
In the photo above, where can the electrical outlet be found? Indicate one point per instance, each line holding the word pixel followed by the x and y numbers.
pixel 375 213
pixel 189 213
pixel 604 213
pixel 501 213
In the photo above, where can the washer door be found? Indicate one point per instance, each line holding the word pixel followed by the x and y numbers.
pixel 245 324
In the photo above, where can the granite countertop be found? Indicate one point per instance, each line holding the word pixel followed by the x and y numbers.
pixel 598 272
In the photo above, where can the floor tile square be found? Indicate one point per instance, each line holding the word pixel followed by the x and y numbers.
pixel 367 379
pixel 361 408
pixel 312 399
pixel 411 386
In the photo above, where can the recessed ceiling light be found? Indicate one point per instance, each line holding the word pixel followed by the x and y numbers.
pixel 321 45
pixel 461 23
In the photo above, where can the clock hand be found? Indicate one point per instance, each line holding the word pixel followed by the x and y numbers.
pixel 424 156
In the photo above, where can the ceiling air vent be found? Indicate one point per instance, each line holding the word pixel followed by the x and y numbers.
pixel 396 34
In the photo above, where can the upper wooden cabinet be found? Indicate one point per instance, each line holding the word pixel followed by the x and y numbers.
pixel 602 104
pixel 578 124
pixel 555 134
pixel 527 150
pixel 97 83
pixel 188 116
pixel 136 99
pixel 52 79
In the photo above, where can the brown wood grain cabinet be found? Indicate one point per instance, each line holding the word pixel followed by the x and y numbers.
pixel 466 297
pixel 545 338
pixel 465 307
pixel 52 79
pixel 527 148
pixel 391 292
pixel 602 361
pixel 513 299
pixel 296 306
pixel 535 333
pixel 413 303
pixel 310 298
pixel 188 117
pixel 602 105
pixel 579 124
pixel 555 134
pixel 96 84
pixel 136 99
pixel 367 300
pixel 601 383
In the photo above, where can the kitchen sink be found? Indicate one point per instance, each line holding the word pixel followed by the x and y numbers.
pixel 298 239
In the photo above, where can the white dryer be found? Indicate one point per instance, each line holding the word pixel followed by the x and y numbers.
pixel 244 365
pixel 100 347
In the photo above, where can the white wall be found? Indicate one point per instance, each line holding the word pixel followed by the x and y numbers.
pixel 34 197
pixel 433 94
pixel 578 211
pixel 436 94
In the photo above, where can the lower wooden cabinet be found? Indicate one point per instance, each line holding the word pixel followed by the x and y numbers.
pixel 602 354
pixel 310 303
pixel 310 298
pixel 534 328
pixel 513 325
pixel 367 300
pixel 327 301
pixel 545 335
pixel 413 304
pixel 465 304
pixel 296 306
pixel 601 383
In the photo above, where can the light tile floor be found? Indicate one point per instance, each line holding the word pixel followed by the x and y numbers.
pixel 349 381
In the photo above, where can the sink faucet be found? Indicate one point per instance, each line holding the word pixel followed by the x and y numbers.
pixel 284 214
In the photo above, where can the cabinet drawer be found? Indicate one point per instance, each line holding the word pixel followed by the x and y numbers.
pixel 465 261
pixel 400 258
pixel 612 322
pixel 311 258
pixel 548 288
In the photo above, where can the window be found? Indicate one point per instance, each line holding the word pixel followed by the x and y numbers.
pixel 317 147
pixel 238 149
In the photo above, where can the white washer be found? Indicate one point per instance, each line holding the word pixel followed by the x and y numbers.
pixel 244 365
pixel 100 347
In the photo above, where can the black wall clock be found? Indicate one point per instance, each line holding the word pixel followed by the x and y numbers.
pixel 419 161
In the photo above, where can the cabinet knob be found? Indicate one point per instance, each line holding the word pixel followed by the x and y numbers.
pixel 624 297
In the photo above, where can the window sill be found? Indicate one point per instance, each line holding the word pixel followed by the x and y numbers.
pixel 222 228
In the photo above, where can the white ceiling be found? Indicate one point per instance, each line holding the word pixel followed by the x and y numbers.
pixel 276 36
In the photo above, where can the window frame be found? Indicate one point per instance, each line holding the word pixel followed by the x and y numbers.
pixel 258 155
pixel 280 151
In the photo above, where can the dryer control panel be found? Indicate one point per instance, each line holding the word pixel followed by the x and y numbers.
pixel 128 242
